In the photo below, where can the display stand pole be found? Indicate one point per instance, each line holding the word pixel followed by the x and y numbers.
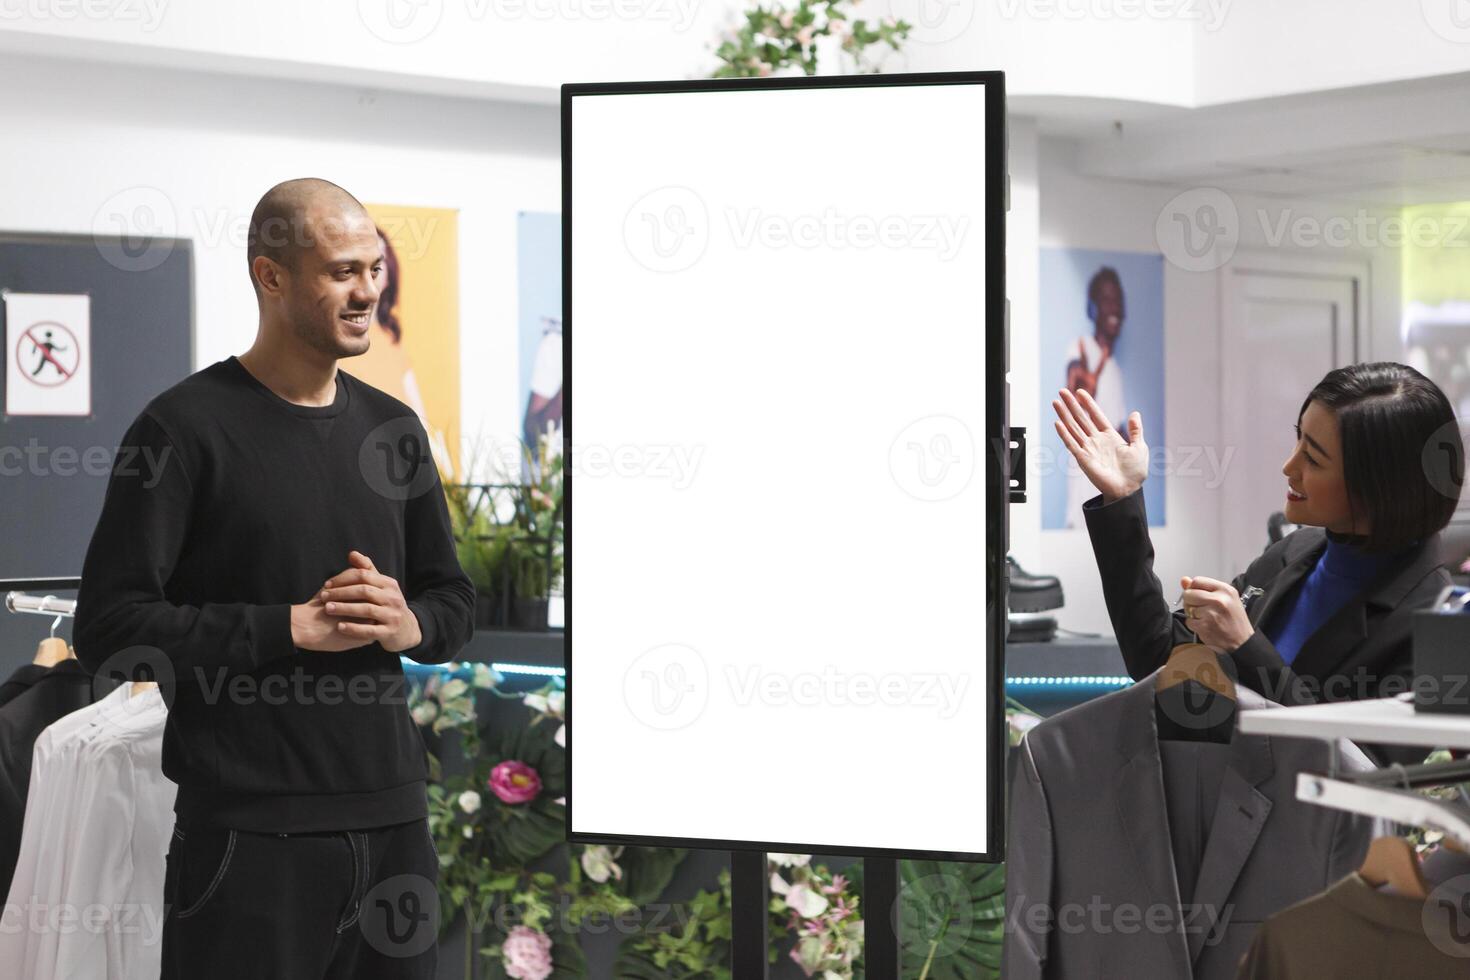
pixel 750 901
pixel 880 918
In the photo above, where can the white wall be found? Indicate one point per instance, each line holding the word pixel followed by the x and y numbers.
pixel 1161 52
pixel 1023 230
pixel 191 154
pixel 1045 51
pixel 1087 212
pixel 1264 48
pixel 520 49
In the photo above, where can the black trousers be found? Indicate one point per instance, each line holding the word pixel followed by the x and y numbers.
pixel 302 906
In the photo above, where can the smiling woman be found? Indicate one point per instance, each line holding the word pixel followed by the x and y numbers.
pixel 1374 477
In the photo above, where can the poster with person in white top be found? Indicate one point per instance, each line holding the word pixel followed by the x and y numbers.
pixel 539 326
pixel 1102 330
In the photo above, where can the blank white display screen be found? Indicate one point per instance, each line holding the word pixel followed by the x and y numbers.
pixel 776 422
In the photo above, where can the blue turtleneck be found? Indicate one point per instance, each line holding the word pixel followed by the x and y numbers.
pixel 1343 571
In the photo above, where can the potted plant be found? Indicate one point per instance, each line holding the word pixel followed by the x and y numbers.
pixel 776 40
pixel 509 537
pixel 535 551
pixel 483 547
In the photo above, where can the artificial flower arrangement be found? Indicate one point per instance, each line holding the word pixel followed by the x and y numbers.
pixel 498 825
pixel 774 39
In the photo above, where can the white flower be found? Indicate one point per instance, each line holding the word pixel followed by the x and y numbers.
pixel 807 901
pixel 469 801
pixel 560 801
pixel 560 738
pixel 1023 722
pixel 468 831
pixel 424 712
pixel 453 689
pixel 484 676
pixel 790 860
pixel 808 953
pixel 598 862
pixel 555 702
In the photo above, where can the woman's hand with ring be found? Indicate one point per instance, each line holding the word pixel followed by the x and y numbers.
pixel 1215 613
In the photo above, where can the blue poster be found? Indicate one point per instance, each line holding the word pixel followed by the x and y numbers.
pixel 1102 328
pixel 538 264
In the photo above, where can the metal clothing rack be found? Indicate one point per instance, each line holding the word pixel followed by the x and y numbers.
pixel 1356 794
pixel 1377 793
pixel 18 599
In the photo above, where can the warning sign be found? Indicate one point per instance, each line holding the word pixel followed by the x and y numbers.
pixel 48 364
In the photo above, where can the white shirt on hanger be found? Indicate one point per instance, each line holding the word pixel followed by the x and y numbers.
pixel 86 902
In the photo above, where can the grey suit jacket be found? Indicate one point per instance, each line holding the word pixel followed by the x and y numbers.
pixel 1091 887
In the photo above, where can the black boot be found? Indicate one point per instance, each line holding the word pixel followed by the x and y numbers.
pixel 1031 593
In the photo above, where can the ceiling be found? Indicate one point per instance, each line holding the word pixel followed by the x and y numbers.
pixel 1397 144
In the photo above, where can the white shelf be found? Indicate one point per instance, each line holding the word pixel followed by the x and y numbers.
pixel 1382 720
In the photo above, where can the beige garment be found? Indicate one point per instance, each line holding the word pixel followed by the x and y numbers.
pixel 1354 930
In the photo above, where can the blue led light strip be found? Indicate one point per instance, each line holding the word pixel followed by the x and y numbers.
pixel 1086 680
pixel 529 669
pixel 458 667
pixel 1089 680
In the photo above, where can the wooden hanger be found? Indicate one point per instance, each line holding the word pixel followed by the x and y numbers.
pixel 1195 662
pixel 1392 861
pixel 52 651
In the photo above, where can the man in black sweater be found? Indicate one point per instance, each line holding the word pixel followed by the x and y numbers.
pixel 274 537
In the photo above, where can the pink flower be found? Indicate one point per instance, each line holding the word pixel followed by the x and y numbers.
pixel 526 953
pixel 514 782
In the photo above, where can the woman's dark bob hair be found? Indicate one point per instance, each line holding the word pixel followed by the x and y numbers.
pixel 1402 455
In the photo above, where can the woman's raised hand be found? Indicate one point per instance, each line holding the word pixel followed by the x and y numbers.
pixel 1115 467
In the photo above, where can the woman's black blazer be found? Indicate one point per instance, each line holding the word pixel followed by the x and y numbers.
pixel 1363 651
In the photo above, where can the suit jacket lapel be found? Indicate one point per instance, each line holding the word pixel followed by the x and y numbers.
pixel 1240 814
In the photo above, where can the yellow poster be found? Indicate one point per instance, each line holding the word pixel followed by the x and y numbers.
pixel 414 355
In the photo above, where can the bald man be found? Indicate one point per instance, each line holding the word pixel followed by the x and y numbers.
pixel 285 545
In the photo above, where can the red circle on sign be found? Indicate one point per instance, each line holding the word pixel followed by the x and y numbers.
pixel 56 364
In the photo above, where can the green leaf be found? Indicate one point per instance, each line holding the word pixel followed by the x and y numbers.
pixel 951 919
pixel 647 871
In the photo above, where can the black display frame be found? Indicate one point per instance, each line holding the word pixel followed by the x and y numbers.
pixel 995 452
